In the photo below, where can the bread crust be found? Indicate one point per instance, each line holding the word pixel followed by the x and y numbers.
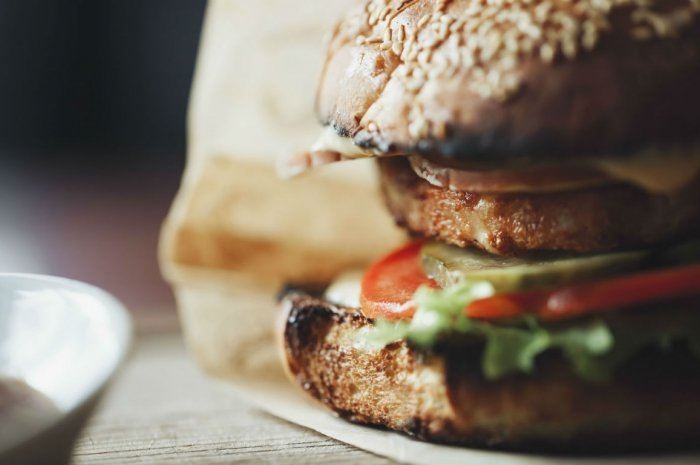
pixel 443 398
pixel 605 91
pixel 582 221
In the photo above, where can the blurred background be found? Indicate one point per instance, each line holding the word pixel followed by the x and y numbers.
pixel 92 137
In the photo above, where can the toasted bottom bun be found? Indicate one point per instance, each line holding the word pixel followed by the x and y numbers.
pixel 585 220
pixel 653 403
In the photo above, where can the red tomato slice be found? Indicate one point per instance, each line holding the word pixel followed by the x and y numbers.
pixel 388 285
pixel 506 305
pixel 611 294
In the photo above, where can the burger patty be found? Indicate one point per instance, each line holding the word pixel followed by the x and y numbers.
pixel 652 404
pixel 586 220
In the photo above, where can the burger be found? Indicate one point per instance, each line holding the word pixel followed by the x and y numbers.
pixel 544 157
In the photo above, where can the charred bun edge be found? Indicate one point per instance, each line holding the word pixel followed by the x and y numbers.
pixel 442 397
pixel 627 93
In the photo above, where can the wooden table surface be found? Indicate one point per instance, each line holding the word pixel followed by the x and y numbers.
pixel 162 409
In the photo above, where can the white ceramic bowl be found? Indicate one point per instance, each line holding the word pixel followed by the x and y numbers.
pixel 60 343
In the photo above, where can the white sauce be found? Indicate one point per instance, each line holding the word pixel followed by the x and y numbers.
pixel 345 290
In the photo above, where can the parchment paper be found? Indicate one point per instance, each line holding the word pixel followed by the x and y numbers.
pixel 236 232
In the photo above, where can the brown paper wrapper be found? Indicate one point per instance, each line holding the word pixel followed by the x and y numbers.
pixel 236 232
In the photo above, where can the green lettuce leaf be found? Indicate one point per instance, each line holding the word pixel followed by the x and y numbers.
pixel 594 347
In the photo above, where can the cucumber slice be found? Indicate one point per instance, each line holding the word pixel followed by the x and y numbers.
pixel 448 265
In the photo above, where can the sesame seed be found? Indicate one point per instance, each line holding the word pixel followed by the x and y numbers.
pixel 489 39
pixel 407 49
pixel 424 57
pixel 527 45
pixel 447 19
pixel 431 42
pixel 547 53
pixel 423 21
pixel 457 25
pixel 384 13
pixel 467 58
pixel 414 84
pixel 418 129
pixel 508 62
pixel 387 35
pixel 569 48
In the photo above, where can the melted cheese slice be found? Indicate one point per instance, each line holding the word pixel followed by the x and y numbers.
pixel 328 148
pixel 663 174
pixel 655 172
pixel 330 141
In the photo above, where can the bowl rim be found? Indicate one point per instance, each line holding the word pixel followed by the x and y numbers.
pixel 124 334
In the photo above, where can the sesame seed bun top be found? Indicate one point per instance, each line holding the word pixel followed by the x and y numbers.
pixel 489 80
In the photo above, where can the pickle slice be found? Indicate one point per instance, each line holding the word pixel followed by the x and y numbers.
pixel 448 265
